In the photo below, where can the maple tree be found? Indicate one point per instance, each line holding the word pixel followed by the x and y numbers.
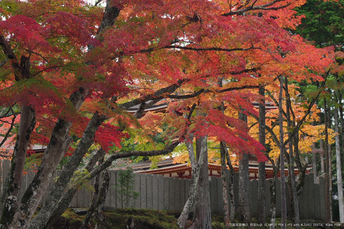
pixel 74 69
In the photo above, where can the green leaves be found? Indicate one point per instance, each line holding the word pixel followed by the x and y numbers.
pixel 125 187
pixel 324 22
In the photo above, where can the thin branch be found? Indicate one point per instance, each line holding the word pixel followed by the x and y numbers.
pixel 3 63
pixel 192 95
pixel 261 7
pixel 191 111
pixel 96 4
pixel 166 92
pixel 52 67
pixel 159 94
pixel 270 130
pixel 199 49
pixel 252 125
pixel 298 126
pixel 9 130
pixel 239 88
pixel 7 113
pixel 211 48
pixel 276 102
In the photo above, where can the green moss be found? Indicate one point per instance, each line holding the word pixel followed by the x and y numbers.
pixel 143 219
pixel 149 219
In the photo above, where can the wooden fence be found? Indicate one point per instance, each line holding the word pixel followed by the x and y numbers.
pixel 164 193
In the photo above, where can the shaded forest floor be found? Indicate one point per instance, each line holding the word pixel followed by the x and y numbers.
pixel 153 219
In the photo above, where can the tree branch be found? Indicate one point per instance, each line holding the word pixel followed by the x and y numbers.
pixel 3 63
pixel 198 49
pixel 9 130
pixel 298 126
pixel 108 162
pixel 10 55
pixel 159 94
pixel 210 48
pixel 52 67
pixel 261 7
pixel 192 95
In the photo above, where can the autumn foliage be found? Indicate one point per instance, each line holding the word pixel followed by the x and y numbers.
pixel 194 55
pixel 155 44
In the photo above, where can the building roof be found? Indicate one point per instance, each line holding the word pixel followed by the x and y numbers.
pixel 183 170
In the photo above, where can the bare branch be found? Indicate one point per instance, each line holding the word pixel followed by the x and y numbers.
pixel 192 95
pixel 276 102
pixel 7 113
pixel 200 49
pixel 261 7
pixel 96 4
pixel 9 130
pixel 159 94
pixel 299 124
pixel 239 88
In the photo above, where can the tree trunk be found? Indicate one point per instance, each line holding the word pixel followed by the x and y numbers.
pixel 341 129
pixel 67 196
pixel 273 194
pixel 244 184
pixel 95 197
pixel 330 176
pixel 224 184
pixel 224 152
pixel 321 155
pixel 314 163
pixel 339 169
pixel 283 191
pixel 294 198
pixel 195 166
pixel 10 196
pixel 202 216
pixel 244 207
pixel 327 169
pixel 301 167
pixel 98 196
pixel 54 196
pixel 230 186
pixel 261 165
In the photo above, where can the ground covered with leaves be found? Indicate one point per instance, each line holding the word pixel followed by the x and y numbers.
pixel 153 219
